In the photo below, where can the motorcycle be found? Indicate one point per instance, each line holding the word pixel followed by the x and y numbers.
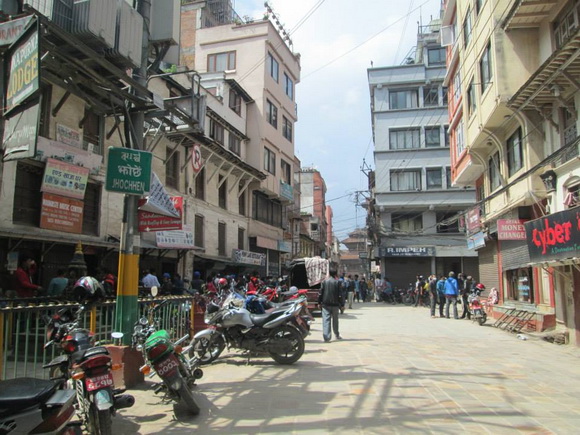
pixel 166 359
pixel 233 326
pixel 476 311
pixel 29 405
pixel 84 367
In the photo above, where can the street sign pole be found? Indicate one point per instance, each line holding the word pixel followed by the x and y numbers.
pixel 127 309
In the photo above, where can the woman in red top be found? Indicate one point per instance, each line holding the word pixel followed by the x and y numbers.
pixel 23 284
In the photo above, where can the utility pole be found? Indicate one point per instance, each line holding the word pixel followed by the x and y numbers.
pixel 128 282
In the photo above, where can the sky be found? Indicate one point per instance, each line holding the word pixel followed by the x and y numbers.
pixel 337 41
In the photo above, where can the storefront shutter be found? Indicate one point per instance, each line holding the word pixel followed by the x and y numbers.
pixel 514 254
pixel 488 265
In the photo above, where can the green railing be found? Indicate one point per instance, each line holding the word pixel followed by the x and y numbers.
pixel 23 330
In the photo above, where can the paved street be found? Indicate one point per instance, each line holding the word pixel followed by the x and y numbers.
pixel 396 371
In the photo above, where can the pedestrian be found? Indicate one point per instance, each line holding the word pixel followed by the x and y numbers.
pixel 451 293
pixel 343 285
pixel 419 287
pixel 178 285
pixel 57 284
pixel 349 290
pixel 197 283
pixel 468 285
pixel 371 290
pixel 433 296
pixel 23 284
pixel 330 299
pixel 441 294
pixel 109 283
pixel 166 284
pixel 379 288
pixel 150 280
pixel 364 288
pixel 356 288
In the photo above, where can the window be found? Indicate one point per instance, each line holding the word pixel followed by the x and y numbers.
pixel 269 161
pixel 471 103
pixel 91 209
pixel 222 192
pixel 478 6
pixel 286 171
pixel 92 132
pixel 234 144
pixel 431 96
pixel 566 24
pixel 406 180
pixel 27 195
pixel 520 285
pixel 436 56
pixel 446 132
pixel 235 102
pixel 445 94
pixel 485 68
pixel 198 235
pixel 273 67
pixel 404 139
pixel 266 210
pixel 459 138
pixel 467 27
pixel 287 128
pixel 434 178
pixel 494 172
pixel 241 238
pixel 241 200
pixel 448 178
pixel 447 223
pixel 172 168
pixel 221 61
pixel 432 137
pixel 572 198
pixel 406 222
pixel 570 131
pixel 272 114
pixel 289 86
pixel 221 238
pixel 403 99
pixel 515 152
pixel 456 87
pixel 200 185
pixel 216 131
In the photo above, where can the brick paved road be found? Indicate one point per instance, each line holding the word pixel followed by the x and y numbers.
pixel 396 371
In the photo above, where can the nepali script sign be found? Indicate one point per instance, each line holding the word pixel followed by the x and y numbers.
pixel 128 171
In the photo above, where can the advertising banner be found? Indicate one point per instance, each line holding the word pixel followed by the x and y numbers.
pixel 248 257
pixel 21 133
pixel 61 214
pixel 181 239
pixel 511 229
pixel 473 222
pixel 23 78
pixel 148 221
pixel 65 179
pixel 555 236
pixel 68 136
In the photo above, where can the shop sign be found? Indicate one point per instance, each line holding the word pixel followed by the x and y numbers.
pixel 10 31
pixel 158 200
pixel 473 220
pixel 476 241
pixel 286 191
pixel 147 221
pixel 68 136
pixel 21 133
pixel 264 242
pixel 248 257
pixel 555 236
pixel 64 179
pixel 180 239
pixel 128 171
pixel 75 156
pixel 511 229
pixel 407 251
pixel 61 214
pixel 284 246
pixel 23 78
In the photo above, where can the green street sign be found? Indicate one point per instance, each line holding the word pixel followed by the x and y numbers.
pixel 128 171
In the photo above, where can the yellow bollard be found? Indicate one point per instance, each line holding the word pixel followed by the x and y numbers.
pixel 1 342
pixel 93 320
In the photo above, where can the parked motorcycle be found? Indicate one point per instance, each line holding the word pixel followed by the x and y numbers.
pixel 29 405
pixel 84 367
pixel 476 311
pixel 166 359
pixel 233 326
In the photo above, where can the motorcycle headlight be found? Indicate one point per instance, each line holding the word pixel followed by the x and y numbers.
pixel 143 321
pixel 138 329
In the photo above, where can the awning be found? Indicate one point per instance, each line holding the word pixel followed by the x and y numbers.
pixel 71 240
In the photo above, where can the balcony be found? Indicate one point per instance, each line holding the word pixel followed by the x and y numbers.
pixel 526 14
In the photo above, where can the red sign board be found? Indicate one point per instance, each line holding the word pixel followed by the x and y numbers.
pixel 148 221
pixel 473 221
pixel 61 214
pixel 511 229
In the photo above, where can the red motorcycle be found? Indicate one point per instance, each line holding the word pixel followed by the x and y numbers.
pixel 476 311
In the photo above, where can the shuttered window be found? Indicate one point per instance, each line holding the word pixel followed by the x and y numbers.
pixel 27 195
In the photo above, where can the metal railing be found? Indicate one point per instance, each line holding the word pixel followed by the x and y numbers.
pixel 23 330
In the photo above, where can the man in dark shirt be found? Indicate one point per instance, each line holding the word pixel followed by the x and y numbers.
pixel 331 301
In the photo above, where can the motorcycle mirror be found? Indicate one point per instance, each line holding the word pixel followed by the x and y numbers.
pixel 154 291
pixel 117 335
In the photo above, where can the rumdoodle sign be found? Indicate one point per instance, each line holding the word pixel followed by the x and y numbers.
pixel 128 171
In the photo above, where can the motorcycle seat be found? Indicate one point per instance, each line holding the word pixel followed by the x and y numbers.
pixel 21 393
pixel 262 319
pixel 84 354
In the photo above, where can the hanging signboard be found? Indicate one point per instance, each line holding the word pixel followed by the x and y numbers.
pixel 61 214
pixel 65 179
pixel 180 239
pixel 128 171
pixel 511 229
pixel 10 31
pixel 553 237
pixel 159 201
pixel 248 257
pixel 147 221
pixel 21 133
pixel 23 73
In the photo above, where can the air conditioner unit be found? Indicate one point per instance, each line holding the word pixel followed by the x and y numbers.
pixel 94 21
pixel 128 36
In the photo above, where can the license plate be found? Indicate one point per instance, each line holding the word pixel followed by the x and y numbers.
pixel 167 367
pixel 98 382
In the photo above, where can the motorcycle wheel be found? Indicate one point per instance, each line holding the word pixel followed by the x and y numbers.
pixel 408 299
pixel 482 319
pixel 100 422
pixel 293 335
pixel 207 350
pixel 186 397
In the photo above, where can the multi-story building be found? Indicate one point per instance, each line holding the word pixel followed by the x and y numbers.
pixel 258 56
pixel 355 259
pixel 515 65
pixel 416 206
pixel 313 207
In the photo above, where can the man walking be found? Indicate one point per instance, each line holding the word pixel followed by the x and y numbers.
pixel 331 301
pixel 451 292
pixel 349 291
pixel 441 294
